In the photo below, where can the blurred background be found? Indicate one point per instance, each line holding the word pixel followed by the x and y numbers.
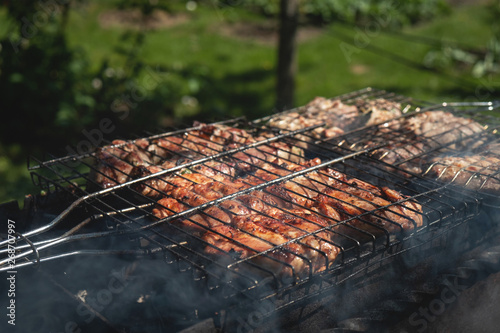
pixel 74 71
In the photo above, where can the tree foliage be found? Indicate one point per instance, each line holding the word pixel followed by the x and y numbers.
pixel 476 61
pixel 357 11
pixel 50 91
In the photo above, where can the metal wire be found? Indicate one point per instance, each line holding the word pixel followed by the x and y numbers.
pixel 129 209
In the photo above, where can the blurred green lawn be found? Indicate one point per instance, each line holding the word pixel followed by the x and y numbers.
pixel 240 69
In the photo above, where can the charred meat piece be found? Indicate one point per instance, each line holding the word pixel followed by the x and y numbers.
pixel 116 161
pixel 380 112
pixel 337 118
pixel 403 153
pixel 441 128
pixel 474 171
pixel 124 161
pixel 111 170
pixel 308 214
pixel 333 115
pixel 384 217
pixel 383 210
pixel 205 141
pixel 195 189
pixel 420 135
pixel 161 185
pixel 288 243
pixel 198 143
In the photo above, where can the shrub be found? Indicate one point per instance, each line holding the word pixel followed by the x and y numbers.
pixel 354 11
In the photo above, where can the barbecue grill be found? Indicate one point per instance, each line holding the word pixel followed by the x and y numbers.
pixel 118 266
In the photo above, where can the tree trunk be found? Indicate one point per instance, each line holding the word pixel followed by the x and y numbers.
pixel 287 63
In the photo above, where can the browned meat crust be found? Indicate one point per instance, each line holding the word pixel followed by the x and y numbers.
pixel 294 227
pixel 380 112
pixel 277 234
pixel 330 114
pixel 116 161
pixel 279 219
pixel 336 118
pixel 441 128
pixel 420 135
pixel 123 161
pixel 474 172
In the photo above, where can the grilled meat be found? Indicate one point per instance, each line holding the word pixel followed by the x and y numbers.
pixel 472 171
pixel 161 185
pixel 409 144
pixel 333 115
pixel 124 161
pixel 289 243
pixel 337 118
pixel 237 165
pixel 294 227
pixel 385 217
pixel 323 202
pixel 440 128
pixel 116 161
pixel 403 153
pixel 205 141
pixel 380 111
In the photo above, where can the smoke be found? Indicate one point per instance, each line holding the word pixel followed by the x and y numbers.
pixel 474 310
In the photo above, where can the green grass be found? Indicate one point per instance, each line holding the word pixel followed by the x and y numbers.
pixel 321 58
pixel 239 65
pixel 235 76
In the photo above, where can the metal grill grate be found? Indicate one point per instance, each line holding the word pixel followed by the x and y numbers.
pixel 111 205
